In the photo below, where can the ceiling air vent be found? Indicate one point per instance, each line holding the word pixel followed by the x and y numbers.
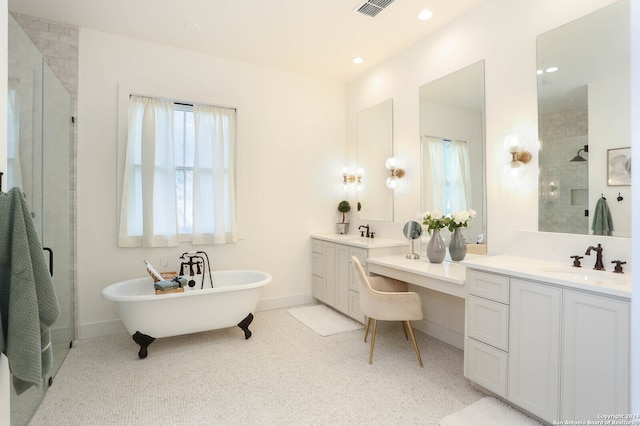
pixel 372 7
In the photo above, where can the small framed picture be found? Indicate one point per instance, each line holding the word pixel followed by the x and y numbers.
pixel 619 166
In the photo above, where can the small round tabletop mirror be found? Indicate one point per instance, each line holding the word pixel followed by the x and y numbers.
pixel 412 230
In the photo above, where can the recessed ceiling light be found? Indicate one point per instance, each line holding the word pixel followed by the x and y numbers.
pixel 539 72
pixel 552 69
pixel 425 14
pixel 191 26
pixel 357 60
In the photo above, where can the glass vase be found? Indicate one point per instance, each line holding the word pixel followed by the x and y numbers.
pixel 457 246
pixel 436 249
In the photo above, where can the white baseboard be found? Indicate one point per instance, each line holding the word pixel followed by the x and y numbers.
pixel 106 328
pixel 440 332
pixel 97 329
pixel 285 302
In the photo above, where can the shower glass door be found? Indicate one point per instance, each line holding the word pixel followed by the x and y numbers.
pixel 40 146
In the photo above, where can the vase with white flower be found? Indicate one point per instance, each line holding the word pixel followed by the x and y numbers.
pixel 457 245
pixel 435 221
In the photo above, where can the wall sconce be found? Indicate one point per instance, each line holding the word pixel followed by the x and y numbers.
pixel 396 172
pixel 349 179
pixel 518 156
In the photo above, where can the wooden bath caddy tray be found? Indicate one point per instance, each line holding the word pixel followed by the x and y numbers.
pixel 173 290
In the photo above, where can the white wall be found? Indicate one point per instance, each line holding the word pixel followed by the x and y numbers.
pixel 503 34
pixel 293 137
pixel 609 103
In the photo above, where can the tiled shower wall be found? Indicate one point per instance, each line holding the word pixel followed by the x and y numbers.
pixel 58 43
pixel 564 185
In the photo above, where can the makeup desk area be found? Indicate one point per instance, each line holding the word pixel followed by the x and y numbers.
pixel 446 277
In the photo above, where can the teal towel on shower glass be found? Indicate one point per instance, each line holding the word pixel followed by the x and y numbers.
pixel 28 301
pixel 602 221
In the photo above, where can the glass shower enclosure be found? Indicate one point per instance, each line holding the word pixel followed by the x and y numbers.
pixel 40 162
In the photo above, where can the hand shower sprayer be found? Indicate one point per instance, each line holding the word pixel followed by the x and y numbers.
pixel 194 258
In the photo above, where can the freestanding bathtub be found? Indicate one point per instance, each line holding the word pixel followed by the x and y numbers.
pixel 147 316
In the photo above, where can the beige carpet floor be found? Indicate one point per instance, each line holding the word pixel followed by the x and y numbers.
pixel 285 374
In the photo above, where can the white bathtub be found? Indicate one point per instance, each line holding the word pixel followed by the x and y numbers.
pixel 148 316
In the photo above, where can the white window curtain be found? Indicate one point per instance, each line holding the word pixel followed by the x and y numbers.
pixel 460 176
pixel 148 208
pixel 434 178
pixel 455 167
pixel 214 204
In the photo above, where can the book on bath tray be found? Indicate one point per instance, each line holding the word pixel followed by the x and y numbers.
pixel 165 282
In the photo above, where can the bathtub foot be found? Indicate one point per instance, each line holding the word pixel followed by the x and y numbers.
pixel 244 325
pixel 143 340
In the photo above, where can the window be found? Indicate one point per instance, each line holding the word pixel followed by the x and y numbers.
pixel 446 176
pixel 184 146
pixel 179 175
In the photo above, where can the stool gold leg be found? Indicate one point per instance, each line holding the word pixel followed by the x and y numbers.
pixel 373 340
pixel 413 337
pixel 404 328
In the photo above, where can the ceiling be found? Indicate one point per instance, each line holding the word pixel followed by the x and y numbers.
pixel 302 36
pixel 589 49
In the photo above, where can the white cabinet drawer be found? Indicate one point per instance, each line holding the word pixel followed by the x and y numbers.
pixel 486 366
pixel 317 246
pixel 354 306
pixel 490 286
pixel 317 264
pixel 488 322
pixel 360 253
pixel 317 288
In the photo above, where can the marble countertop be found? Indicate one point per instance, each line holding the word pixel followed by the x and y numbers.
pixel 585 278
pixel 358 241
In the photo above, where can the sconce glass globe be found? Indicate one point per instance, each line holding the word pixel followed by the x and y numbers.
pixel 391 163
pixel 392 182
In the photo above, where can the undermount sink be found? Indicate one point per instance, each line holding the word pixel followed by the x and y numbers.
pixel 587 275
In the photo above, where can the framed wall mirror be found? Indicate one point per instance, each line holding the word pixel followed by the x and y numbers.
pixel 584 114
pixel 452 146
pixel 374 146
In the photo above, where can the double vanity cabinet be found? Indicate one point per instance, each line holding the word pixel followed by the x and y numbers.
pixel 548 338
pixel 333 278
pixel 557 348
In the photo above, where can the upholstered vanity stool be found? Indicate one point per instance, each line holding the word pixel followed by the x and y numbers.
pixel 386 299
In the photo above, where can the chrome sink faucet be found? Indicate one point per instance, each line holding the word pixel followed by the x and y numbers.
pixel 362 232
pixel 599 265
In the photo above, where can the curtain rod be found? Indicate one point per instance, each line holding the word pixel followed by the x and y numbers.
pixel 175 102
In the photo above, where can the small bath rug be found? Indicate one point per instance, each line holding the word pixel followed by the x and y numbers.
pixel 324 320
pixel 488 412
